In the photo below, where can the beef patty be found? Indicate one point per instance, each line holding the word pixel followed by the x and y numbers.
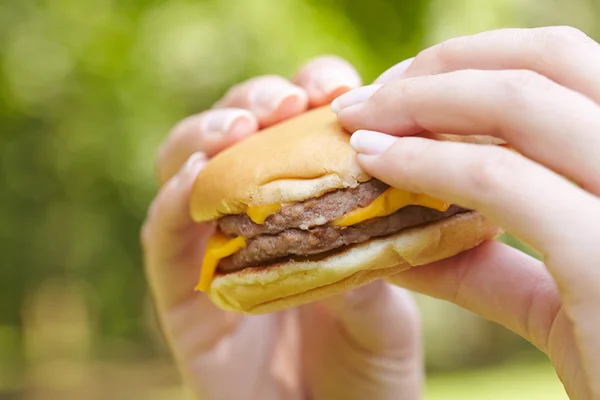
pixel 306 214
pixel 302 229
pixel 262 249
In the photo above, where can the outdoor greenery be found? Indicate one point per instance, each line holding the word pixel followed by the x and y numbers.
pixel 88 89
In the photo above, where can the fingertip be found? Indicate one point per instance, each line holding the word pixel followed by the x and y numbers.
pixel 221 121
pixel 325 78
pixel 349 102
pixel 290 105
pixel 278 103
pixel 347 117
pixel 371 143
pixel 242 127
pixel 222 128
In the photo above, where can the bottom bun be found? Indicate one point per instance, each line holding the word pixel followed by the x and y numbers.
pixel 293 283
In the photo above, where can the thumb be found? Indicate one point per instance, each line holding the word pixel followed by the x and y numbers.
pixel 366 342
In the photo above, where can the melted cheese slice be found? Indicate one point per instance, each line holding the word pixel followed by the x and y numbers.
pixel 258 214
pixel 388 203
pixel 218 247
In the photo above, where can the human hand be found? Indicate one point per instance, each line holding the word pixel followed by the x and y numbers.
pixel 362 344
pixel 538 89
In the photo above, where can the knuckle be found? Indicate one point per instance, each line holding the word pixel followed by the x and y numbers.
pixel 543 308
pixel 520 87
pixel 441 55
pixel 408 160
pixel 488 172
pixel 562 38
pixel 558 43
pixel 408 94
pixel 391 94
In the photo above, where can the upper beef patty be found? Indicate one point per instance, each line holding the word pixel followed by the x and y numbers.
pixel 306 214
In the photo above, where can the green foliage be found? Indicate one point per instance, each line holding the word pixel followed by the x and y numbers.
pixel 88 90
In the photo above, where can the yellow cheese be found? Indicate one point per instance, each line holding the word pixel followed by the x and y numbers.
pixel 218 247
pixel 388 203
pixel 258 214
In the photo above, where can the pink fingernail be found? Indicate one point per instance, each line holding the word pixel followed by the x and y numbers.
pixel 220 122
pixel 193 162
pixel 370 142
pixel 335 83
pixel 271 97
pixel 353 97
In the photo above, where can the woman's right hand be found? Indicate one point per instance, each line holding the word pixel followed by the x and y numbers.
pixel 538 89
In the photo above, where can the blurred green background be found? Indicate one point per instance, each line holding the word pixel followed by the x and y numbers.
pixel 88 89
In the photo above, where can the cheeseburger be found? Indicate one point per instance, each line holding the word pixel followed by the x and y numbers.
pixel 296 219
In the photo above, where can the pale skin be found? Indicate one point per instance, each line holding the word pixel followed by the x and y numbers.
pixel 363 344
pixel 537 89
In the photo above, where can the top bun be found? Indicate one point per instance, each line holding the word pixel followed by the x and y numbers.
pixel 292 161
pixel 300 158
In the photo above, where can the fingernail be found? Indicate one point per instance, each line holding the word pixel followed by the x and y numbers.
pixel 195 161
pixel 395 72
pixel 331 84
pixel 270 98
pixel 353 97
pixel 220 122
pixel 370 142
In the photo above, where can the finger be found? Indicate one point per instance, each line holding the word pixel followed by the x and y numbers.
pixel 363 343
pixel 325 78
pixel 198 332
pixel 173 245
pixel 546 122
pixel 170 237
pixel 563 54
pixel 496 281
pixel 270 98
pixel 506 286
pixel 536 205
pixel 208 132
pixel 395 72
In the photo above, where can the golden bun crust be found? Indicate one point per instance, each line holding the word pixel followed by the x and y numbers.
pixel 294 283
pixel 303 157
pixel 299 158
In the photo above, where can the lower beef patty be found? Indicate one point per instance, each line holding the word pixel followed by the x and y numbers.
pixel 265 248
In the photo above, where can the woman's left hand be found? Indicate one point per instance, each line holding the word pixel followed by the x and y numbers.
pixel 362 344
